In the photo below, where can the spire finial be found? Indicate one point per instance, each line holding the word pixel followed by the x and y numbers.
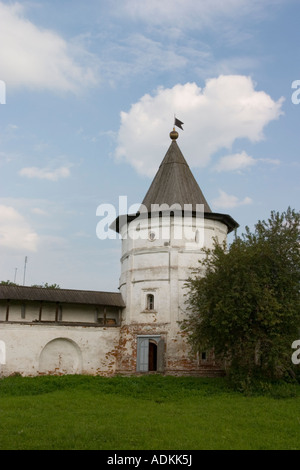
pixel 174 134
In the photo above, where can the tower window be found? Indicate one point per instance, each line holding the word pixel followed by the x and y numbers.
pixel 150 302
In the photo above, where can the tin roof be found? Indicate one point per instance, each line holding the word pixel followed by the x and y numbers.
pixel 113 299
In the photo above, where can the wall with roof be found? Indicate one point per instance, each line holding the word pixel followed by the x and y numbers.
pixel 33 311
pixel 33 349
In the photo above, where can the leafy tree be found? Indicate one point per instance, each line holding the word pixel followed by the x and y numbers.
pixel 244 302
pixel 47 286
pixel 44 286
pixel 8 283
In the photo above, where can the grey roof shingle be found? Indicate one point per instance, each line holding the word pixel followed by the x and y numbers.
pixel 113 299
pixel 174 183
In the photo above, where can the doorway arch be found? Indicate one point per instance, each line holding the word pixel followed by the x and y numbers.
pixel 152 355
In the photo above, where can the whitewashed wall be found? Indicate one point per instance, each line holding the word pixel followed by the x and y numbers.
pixel 51 349
pixel 161 266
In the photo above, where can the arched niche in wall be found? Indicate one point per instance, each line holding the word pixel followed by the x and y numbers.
pixel 60 356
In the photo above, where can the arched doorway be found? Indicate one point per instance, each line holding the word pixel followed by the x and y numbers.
pixel 152 355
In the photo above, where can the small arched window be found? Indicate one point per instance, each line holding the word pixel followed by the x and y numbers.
pixel 150 302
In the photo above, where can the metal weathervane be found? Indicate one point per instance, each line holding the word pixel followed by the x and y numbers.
pixel 178 123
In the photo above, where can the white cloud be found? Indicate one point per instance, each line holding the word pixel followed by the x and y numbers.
pixel 271 161
pixel 138 54
pixel 45 173
pixel 240 161
pixel 191 14
pixel 226 109
pixel 15 232
pixel 38 211
pixel 235 162
pixel 166 41
pixel 39 58
pixel 228 201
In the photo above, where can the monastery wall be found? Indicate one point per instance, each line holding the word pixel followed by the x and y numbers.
pixel 50 349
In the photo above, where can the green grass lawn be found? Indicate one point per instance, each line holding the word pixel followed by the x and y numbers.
pixel 144 413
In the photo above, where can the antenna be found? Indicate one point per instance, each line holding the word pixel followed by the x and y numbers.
pixel 24 270
pixel 16 269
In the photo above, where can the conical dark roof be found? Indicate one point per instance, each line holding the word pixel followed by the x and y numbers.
pixel 174 183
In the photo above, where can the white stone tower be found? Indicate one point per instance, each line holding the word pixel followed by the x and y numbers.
pixel 160 246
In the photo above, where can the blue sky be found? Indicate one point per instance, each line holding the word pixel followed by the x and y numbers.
pixel 91 93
